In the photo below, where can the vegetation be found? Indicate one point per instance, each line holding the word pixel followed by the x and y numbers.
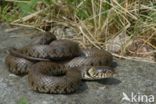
pixel 98 21
pixel 23 100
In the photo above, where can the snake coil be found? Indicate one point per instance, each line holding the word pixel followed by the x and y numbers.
pixel 57 66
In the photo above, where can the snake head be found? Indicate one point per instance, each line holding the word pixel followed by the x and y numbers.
pixel 99 72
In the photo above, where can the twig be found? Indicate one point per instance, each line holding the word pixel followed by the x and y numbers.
pixel 133 58
pixel 122 8
pixel 88 38
pixel 100 9
pixel 94 13
pixel 89 33
pixel 80 3
pixel 28 16
pixel 17 1
pixel 12 29
pixel 29 26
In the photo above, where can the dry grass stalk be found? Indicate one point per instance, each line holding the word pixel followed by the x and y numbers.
pixel 96 28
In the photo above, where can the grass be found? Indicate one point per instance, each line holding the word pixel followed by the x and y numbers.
pixel 23 100
pixel 97 21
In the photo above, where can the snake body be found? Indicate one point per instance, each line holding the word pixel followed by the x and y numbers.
pixel 51 77
pixel 18 66
pixel 57 50
pixel 57 66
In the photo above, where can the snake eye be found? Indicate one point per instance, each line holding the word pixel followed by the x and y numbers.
pixel 92 72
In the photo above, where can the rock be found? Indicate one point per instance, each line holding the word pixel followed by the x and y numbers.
pixel 116 44
pixel 132 77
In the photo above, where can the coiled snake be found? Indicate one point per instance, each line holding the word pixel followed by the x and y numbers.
pixel 57 66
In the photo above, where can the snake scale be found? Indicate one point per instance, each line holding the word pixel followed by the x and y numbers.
pixel 58 66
